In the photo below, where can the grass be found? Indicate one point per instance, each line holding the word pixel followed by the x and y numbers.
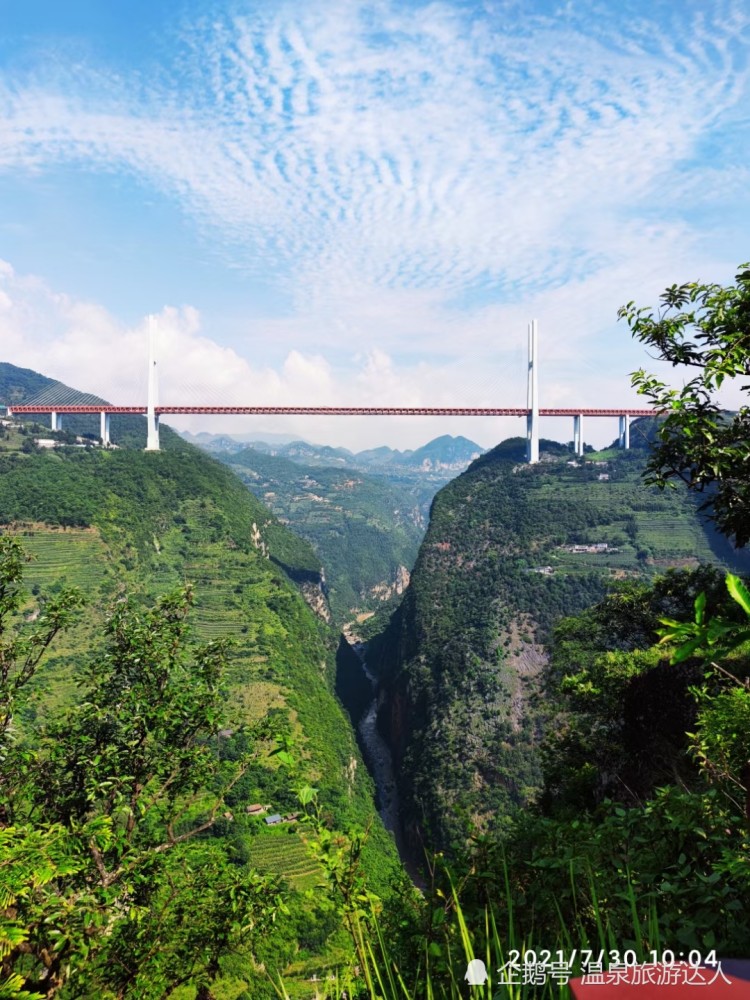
pixel 518 966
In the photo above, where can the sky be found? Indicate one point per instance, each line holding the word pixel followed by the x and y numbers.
pixel 333 202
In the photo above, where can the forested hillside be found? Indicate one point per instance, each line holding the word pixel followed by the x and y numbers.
pixel 19 384
pixel 127 522
pixel 511 548
pixel 365 531
pixel 419 473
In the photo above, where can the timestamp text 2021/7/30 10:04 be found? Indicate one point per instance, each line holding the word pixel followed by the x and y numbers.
pixel 665 967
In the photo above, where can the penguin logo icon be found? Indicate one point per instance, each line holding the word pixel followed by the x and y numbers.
pixel 476 973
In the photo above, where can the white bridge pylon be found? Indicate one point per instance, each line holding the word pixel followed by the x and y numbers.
pixel 152 417
pixel 532 399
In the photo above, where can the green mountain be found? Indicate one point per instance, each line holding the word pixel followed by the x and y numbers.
pixel 22 385
pixel 365 531
pixel 421 473
pixel 19 384
pixel 446 452
pixel 510 549
pixel 123 520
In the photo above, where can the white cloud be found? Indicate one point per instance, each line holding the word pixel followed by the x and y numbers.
pixel 365 146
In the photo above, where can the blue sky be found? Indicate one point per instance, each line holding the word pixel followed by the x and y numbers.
pixel 363 201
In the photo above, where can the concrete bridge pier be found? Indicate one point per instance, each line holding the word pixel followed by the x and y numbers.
pixel 55 421
pixel 104 429
pixel 578 434
pixel 625 431
pixel 152 433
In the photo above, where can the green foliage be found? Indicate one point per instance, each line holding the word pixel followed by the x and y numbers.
pixel 155 521
pixel 102 809
pixel 672 861
pixel 705 327
pixel 30 861
pixel 720 743
pixel 623 710
pixel 718 635
pixel 633 720
pixel 135 495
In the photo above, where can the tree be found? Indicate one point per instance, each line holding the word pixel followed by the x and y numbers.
pixel 110 884
pixel 721 743
pixel 705 327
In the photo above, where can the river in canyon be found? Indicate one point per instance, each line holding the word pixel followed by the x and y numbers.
pixel 379 762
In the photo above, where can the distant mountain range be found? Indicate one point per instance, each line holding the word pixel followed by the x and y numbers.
pixel 445 454
pixel 227 442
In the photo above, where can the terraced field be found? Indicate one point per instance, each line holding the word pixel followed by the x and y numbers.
pixel 674 536
pixel 65 556
pixel 283 852
pixel 646 527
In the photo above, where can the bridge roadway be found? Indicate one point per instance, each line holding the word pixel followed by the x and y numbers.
pixel 333 411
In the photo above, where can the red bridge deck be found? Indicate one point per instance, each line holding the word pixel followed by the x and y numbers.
pixel 345 411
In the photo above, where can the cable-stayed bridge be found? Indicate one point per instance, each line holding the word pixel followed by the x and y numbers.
pixel 78 403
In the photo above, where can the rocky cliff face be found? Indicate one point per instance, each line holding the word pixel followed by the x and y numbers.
pixel 314 593
pixel 385 591
pixel 463 727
